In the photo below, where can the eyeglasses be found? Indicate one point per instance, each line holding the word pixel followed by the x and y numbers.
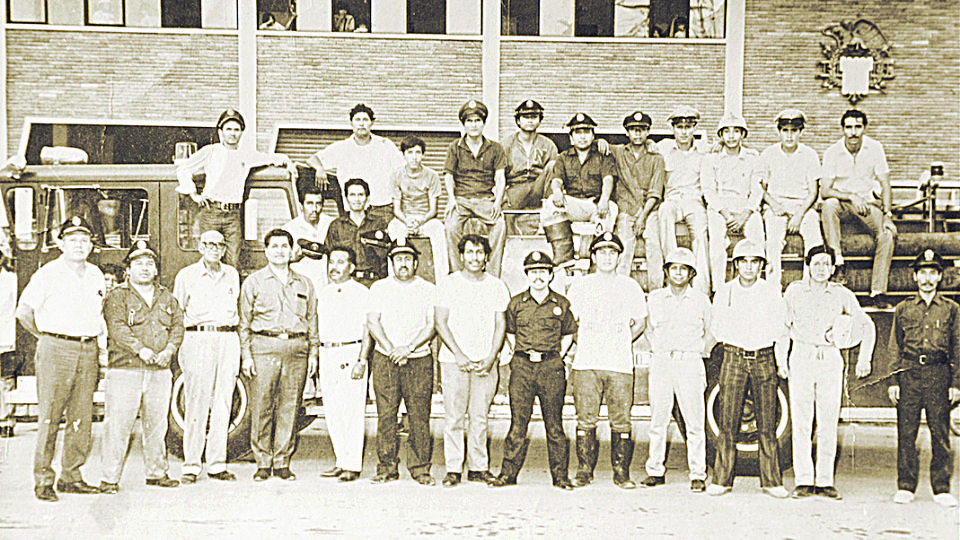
pixel 213 245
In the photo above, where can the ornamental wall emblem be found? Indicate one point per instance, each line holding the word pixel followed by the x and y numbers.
pixel 856 59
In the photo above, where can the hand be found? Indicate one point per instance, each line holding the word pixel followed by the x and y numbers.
pixel 400 354
pixel 202 200
pixel 717 147
pixel 652 147
pixel 777 208
pixel 247 367
pixel 863 368
pixel 603 146
pixel 860 204
pixel 894 394
pixel 292 170
pixel 731 219
pixel 954 394
pixel 359 370
pixel 740 219
pixel 783 371
pixel 147 355
pixel 485 366
pixel 312 361
pixel 497 209
pixel 451 208
pixel 603 208
pixel 639 226
pixel 463 363
pixel 104 358
pixel 163 358
pixel 558 199
pixel 793 224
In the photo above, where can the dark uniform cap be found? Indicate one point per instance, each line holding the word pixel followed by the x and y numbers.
pixel 928 259
pixel 74 224
pixel 312 250
pixel 581 120
pixel 473 107
pixel 637 119
pixel 791 116
pixel 402 245
pixel 140 248
pixel 529 107
pixel 376 239
pixel 607 239
pixel 537 259
pixel 231 114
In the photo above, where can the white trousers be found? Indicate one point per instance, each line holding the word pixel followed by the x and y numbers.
pixel 466 394
pixel 816 386
pixel 128 392
pixel 210 362
pixel 717 231
pixel 344 404
pixel 432 229
pixel 683 375
pixel 776 227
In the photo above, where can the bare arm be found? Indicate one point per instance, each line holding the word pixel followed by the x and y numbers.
pixel 26 318
pixel 451 199
pixel 442 316
pixel 375 329
pixel 499 186
pixel 499 331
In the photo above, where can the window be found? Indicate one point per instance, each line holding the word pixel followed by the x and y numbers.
pixel 104 12
pixel 426 16
pixel 615 18
pixel 118 217
pixel 520 17
pixel 351 16
pixel 27 11
pixel 180 14
pixel 593 18
pixel 277 14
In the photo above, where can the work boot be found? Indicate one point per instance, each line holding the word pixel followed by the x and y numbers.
pixel 560 237
pixel 587 450
pixel 621 455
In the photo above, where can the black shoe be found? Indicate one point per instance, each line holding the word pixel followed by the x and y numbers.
pixel 383 478
pixel 332 473
pixel 563 483
pixel 451 479
pixel 109 489
pixel 185 479
pixel 802 492
pixel 654 481
pixel 80 487
pixel 502 481
pixel 166 482
pixel 285 474
pixel 829 492
pixel 46 493
pixel 698 486
pixel 480 476
pixel 349 476
pixel 224 476
pixel 425 479
pixel 261 475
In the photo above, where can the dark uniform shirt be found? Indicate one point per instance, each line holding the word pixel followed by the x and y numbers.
pixel 524 167
pixel 132 324
pixel 539 327
pixel 473 176
pixel 919 329
pixel 584 181
pixel 344 232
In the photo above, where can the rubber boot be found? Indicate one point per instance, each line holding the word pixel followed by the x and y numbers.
pixel 588 449
pixel 561 239
pixel 621 455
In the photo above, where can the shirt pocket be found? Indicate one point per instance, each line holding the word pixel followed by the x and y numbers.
pixel 301 305
pixel 137 314
pixel 165 314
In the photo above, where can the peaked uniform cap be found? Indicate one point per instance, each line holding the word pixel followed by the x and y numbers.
pixel 75 224
pixel 473 107
pixel 637 119
pixel 684 112
pixel 529 107
pixel 231 114
pixel 537 259
pixel 928 258
pixel 581 120
pixel 607 239
pixel 140 248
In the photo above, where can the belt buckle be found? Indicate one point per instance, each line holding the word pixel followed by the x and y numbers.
pixel 922 359
pixel 535 356
pixel 749 355
pixel 283 335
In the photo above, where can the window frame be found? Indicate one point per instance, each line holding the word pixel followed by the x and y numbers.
pixel 46 13
pixel 123 14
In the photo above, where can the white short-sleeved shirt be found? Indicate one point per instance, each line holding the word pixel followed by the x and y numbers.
pixel 342 311
pixel 64 302
pixel 403 309
pixel 415 191
pixel 473 307
pixel 372 162
pixel 8 309
pixel 208 298
pixel 788 176
pixel 604 307
pixel 315 269
pixel 857 174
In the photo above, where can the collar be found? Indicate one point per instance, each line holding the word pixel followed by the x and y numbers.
pixel 937 299
pixel 291 275
pixel 552 296
pixel 484 143
pixel 742 153
pixel 572 151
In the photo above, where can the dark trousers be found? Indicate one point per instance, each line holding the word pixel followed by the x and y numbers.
pixel 277 391
pixel 227 223
pixel 413 383
pixel 735 373
pixel 924 387
pixel 546 381
pixel 66 379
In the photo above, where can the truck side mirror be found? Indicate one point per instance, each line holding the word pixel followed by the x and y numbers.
pixel 23 218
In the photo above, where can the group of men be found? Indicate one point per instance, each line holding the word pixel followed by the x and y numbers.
pixel 286 323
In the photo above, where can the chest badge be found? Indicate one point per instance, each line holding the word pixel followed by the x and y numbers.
pixel 557 311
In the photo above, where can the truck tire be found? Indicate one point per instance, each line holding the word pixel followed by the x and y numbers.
pixel 238 432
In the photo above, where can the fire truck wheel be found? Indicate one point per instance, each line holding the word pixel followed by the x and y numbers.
pixel 238 433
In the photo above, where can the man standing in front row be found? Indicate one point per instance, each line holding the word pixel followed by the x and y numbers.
pixel 62 306
pixel 611 311
pixel 819 313
pixel 679 335
pixel 400 317
pixel 278 348
pixel 925 374
pixel 469 317
pixel 748 318
pixel 540 328
pixel 209 357
pixel 344 344
pixel 145 327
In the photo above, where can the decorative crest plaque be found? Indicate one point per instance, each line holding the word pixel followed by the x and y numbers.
pixel 856 59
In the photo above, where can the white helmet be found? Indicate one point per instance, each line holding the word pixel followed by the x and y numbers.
pixel 681 256
pixel 732 120
pixel 748 248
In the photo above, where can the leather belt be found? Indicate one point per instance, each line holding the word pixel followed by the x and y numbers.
pixel 78 339
pixel 280 335
pixel 931 359
pixel 362 274
pixel 225 206
pixel 749 355
pixel 331 345
pixel 210 328
pixel 536 356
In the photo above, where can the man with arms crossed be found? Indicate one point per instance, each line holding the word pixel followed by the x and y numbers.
pixel 208 291
pixel 344 344
pixel 611 311
pixel 400 318
pixel 470 321
pixel 529 154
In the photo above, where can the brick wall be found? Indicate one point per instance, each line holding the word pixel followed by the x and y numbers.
pixel 917 120
pixel 407 82
pixel 109 75
pixel 610 80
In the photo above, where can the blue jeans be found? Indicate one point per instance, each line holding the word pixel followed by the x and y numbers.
pixel 227 223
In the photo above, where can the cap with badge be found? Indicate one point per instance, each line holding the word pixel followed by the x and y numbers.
pixel 791 117
pixel 637 119
pixel 75 224
pixel 580 121
pixel 376 239
pixel 473 107
pixel 529 107
pixel 684 112
pixel 402 245
pixel 928 259
pixel 535 260
pixel 312 250
pixel 140 248
pixel 607 239
pixel 231 115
